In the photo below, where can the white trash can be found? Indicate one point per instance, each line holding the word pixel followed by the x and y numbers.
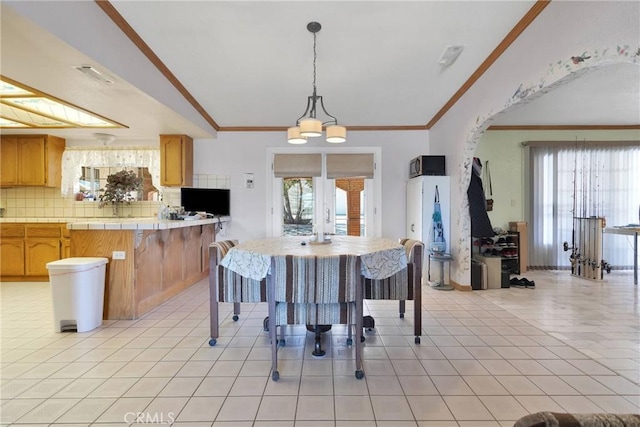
pixel 77 292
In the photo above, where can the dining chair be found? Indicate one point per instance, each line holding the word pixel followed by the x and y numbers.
pixel 318 291
pixel 225 285
pixel 403 285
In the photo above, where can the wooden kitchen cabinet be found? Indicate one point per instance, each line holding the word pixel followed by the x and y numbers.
pixel 11 249
pixel 9 161
pixel 176 160
pixel 37 253
pixel 31 160
pixel 26 248
pixel 41 245
pixel 11 257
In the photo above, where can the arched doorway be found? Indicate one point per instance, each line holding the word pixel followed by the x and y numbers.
pixel 558 74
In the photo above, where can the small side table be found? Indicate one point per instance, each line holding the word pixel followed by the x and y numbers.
pixel 441 257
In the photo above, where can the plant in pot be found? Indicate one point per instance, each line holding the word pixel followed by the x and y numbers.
pixel 118 190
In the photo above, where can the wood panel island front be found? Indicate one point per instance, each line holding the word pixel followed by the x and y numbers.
pixel 150 260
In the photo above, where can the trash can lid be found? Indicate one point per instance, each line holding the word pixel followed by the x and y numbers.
pixel 79 263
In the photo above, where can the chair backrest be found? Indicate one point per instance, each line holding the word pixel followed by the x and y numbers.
pixel 401 285
pixel 231 286
pixel 415 251
pixel 316 280
pixel 221 248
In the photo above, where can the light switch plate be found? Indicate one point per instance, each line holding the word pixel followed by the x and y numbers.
pixel 119 255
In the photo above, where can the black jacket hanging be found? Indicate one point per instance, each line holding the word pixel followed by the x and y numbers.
pixel 480 222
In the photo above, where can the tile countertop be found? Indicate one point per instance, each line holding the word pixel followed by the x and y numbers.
pixel 150 223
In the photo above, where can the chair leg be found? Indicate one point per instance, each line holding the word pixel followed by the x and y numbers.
pixel 417 311
pixel 359 331
pixel 236 311
pixel 273 335
pixel 402 309
pixel 317 350
pixel 213 308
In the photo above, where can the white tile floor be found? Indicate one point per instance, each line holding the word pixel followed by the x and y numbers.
pixel 486 359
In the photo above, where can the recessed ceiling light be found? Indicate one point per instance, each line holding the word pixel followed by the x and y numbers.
pixel 450 54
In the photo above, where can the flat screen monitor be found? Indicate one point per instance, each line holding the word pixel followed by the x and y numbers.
pixel 214 201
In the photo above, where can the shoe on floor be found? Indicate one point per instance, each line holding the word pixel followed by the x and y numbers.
pixel 517 283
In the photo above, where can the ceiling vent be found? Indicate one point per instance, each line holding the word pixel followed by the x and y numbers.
pixel 450 54
pixel 93 73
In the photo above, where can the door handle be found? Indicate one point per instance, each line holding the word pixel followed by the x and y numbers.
pixel 328 219
pixel 413 227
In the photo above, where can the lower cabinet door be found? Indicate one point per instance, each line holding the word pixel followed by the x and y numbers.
pixel 12 257
pixel 38 252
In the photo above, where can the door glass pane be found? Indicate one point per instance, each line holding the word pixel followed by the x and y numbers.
pixel 297 208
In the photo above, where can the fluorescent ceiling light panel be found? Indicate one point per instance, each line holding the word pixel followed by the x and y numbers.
pixel 32 109
pixel 6 123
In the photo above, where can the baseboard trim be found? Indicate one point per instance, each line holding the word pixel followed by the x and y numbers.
pixel 457 286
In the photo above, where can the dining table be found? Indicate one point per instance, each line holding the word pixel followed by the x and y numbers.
pixel 628 230
pixel 380 257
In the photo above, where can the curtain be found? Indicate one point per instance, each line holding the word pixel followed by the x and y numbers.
pixel 582 180
pixel 350 166
pixel 75 157
pixel 297 165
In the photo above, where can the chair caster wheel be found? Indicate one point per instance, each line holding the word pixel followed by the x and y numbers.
pixel 362 338
pixel 282 343
pixel 265 324
pixel 359 374
pixel 417 340
pixel 275 375
pixel 349 341
pixel 235 317
pixel 212 342
pixel 402 315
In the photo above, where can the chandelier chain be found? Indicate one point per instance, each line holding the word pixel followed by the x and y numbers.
pixel 315 56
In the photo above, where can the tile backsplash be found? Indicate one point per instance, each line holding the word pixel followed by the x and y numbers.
pixel 39 202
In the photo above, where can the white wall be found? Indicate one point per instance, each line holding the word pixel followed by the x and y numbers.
pixel 505 153
pixel 537 59
pixel 237 153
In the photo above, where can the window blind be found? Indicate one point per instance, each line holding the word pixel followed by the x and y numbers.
pixel 297 165
pixel 350 166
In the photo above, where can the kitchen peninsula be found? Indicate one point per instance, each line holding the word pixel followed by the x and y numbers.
pixel 150 260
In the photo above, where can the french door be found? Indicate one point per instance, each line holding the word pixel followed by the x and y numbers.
pixel 303 205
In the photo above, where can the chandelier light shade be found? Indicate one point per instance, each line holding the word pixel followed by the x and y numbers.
pixel 308 125
pixel 336 134
pixel 294 137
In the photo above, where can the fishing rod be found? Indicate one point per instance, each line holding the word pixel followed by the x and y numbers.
pixel 572 256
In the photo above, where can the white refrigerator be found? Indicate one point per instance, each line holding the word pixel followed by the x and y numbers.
pixel 421 192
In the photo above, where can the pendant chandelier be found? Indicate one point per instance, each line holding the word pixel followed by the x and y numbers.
pixel 307 125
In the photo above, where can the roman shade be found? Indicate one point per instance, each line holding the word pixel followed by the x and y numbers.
pixel 350 166
pixel 297 165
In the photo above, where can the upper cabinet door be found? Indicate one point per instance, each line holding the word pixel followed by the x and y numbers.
pixel 9 161
pixel 31 160
pixel 176 160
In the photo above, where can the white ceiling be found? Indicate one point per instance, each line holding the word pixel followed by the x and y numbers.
pixel 249 64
